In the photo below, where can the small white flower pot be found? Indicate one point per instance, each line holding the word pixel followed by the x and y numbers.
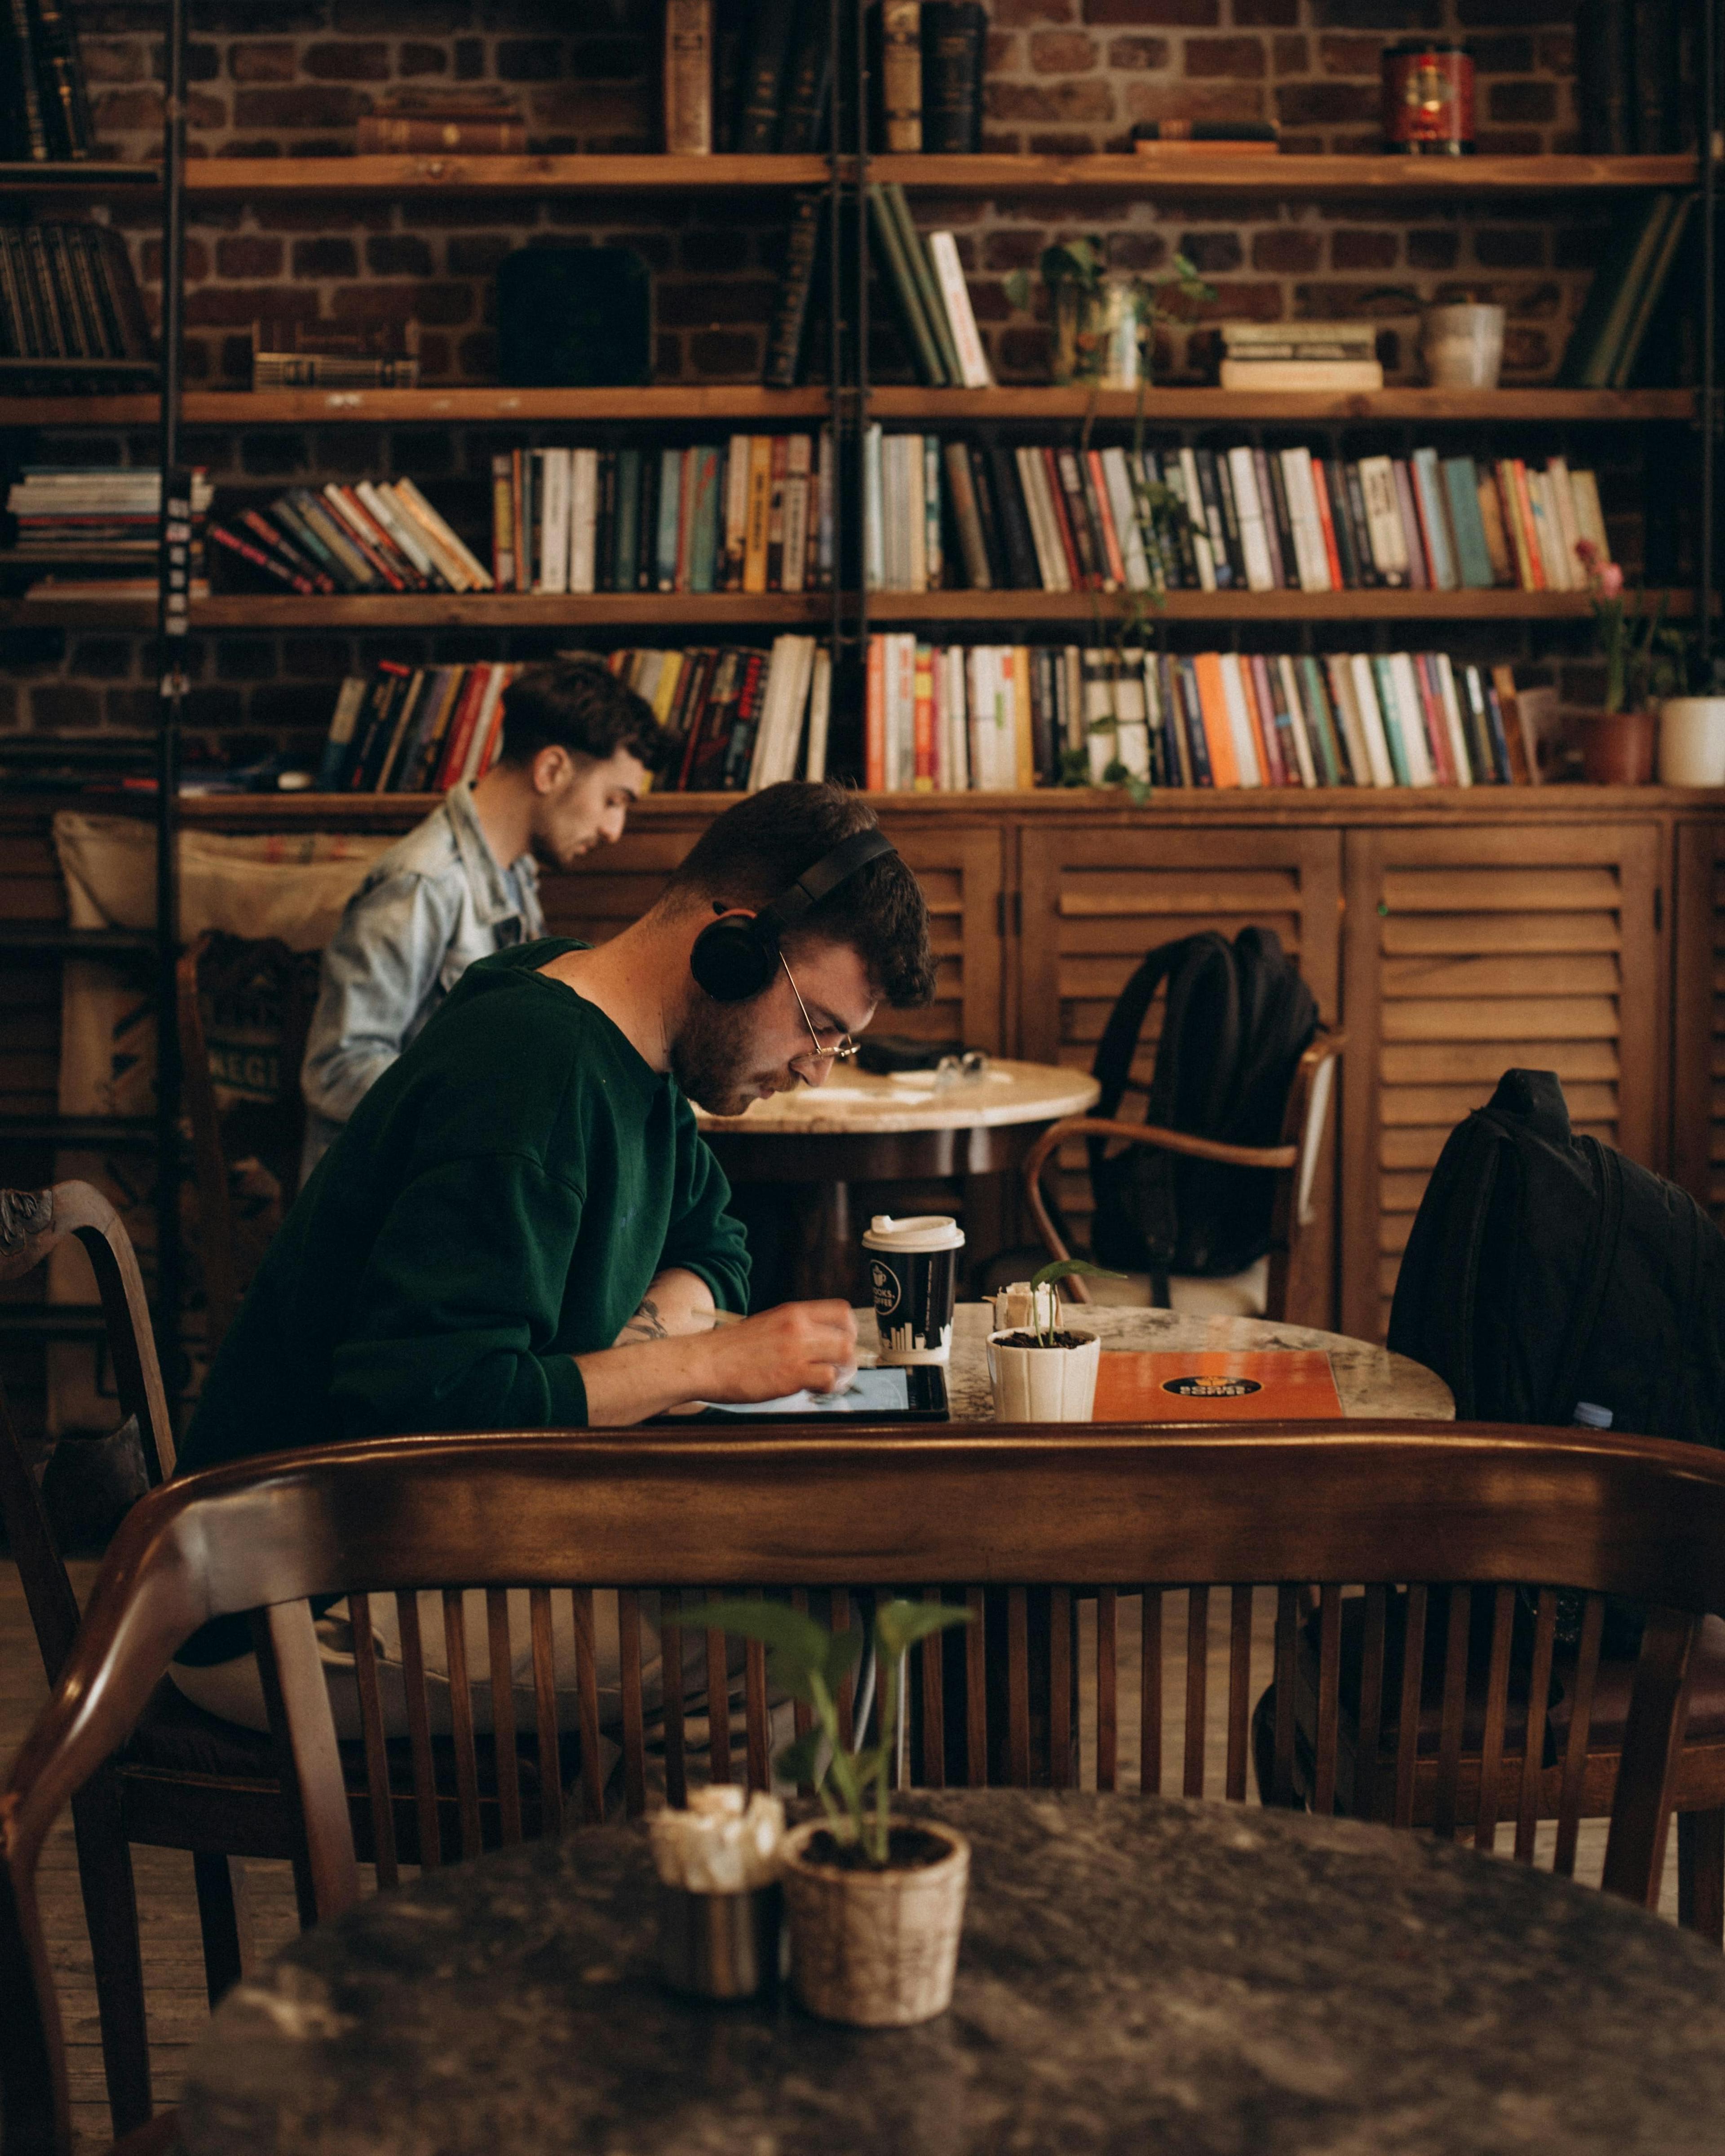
pixel 1691 741
pixel 877 1949
pixel 1462 345
pixel 1043 1384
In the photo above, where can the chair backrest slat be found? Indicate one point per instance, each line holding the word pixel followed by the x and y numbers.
pixel 1329 1699
pixel 1287 1641
pixel 1150 1690
pixel 419 1704
pixel 1545 1629
pixel 718 1707
pixel 934 1703
pixel 1652 1738
pixel 976 1689
pixel 500 1656
pixel 370 1722
pixel 803 1715
pixel 1446 1798
pixel 1407 1729
pixel 1374 1643
pixel 1581 1715
pixel 634 1737
pixel 839 1619
pixel 1198 1669
pixel 757 1732
pixel 1107 1688
pixel 461 1720
pixel 670 1656
pixel 586 1701
pixel 1018 1685
pixel 1503 1618
pixel 1239 1691
pixel 545 1711
pixel 285 1640
pixel 1060 1687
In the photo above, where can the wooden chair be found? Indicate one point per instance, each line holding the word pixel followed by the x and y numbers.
pixel 1306 1125
pixel 184 1780
pixel 1093 1515
pixel 268 1127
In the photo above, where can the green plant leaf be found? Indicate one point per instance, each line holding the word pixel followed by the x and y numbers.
pixel 840 1653
pixel 1063 1268
pixel 898 1626
pixel 797 1762
pixel 798 1643
pixel 1017 288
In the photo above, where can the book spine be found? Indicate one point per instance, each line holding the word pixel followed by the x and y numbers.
pixel 27 91
pixel 808 86
pixel 898 28
pixel 902 279
pixel 973 370
pixel 790 314
pixel 953 37
pixel 875 717
pixel 375 135
pixel 769 28
pixel 688 77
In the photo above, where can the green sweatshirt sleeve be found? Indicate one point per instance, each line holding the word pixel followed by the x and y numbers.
pixel 458 1303
pixel 703 1237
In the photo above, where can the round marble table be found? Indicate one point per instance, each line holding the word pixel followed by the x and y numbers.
pixel 861 1128
pixel 1145 1975
pixel 1369 1380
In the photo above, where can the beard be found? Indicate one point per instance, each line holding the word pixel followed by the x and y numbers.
pixel 713 1058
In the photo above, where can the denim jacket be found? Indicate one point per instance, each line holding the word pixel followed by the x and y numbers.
pixel 431 906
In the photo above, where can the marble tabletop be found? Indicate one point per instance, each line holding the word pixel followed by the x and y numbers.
pixel 1369 1380
pixel 1141 1974
pixel 856 1102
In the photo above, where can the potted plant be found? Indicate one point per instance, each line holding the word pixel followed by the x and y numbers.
pixel 1642 663
pixel 1044 1372
pixel 874 1904
pixel 1100 322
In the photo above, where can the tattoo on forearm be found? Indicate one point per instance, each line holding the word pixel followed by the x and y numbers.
pixel 646 1324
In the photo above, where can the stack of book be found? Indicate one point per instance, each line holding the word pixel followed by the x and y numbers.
pixel 413 729
pixel 478 118
pixel 934 301
pixel 1637 63
pixel 737 718
pixel 67 292
pixel 991 517
pixel 44 112
pixel 776 65
pixel 752 514
pixel 101 519
pixel 1610 332
pixel 926 72
pixel 293 355
pixel 1003 718
pixel 382 536
pixel 1300 356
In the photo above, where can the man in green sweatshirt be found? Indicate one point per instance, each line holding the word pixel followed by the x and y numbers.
pixel 520 1226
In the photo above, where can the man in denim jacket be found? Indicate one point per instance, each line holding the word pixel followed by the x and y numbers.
pixel 577 744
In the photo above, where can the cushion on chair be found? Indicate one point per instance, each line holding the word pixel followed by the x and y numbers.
pixel 1235 1295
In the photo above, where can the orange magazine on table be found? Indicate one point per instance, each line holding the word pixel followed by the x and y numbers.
pixel 1277 1384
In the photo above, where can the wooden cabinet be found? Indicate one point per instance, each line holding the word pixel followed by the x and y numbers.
pixel 1094 901
pixel 1698 1015
pixel 1469 953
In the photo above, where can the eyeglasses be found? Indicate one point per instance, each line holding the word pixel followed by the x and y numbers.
pixel 841 1052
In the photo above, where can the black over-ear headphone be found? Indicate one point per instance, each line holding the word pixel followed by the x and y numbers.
pixel 737 956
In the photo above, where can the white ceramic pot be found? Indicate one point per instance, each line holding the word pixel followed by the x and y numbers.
pixel 1462 345
pixel 877 1949
pixel 1691 741
pixel 1043 1384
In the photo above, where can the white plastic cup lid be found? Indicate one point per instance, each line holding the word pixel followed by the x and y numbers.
pixel 916 1231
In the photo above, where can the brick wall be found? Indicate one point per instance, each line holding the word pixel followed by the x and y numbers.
pixel 279 78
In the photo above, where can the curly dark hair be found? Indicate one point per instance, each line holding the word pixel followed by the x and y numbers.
pixel 752 852
pixel 577 704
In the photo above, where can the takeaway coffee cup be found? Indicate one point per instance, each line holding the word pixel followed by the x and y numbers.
pixel 913 1268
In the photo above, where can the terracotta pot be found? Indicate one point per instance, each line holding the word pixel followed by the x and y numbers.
pixel 1617 748
pixel 876 1949
pixel 1043 1384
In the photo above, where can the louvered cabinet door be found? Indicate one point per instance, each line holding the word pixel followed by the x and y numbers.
pixel 1472 952
pixel 1698 1017
pixel 958 869
pixel 1095 902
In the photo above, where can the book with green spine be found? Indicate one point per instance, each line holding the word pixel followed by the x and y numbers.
pixel 904 284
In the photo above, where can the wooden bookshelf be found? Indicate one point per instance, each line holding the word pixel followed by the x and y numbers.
pixel 261 179
pixel 750 403
pixel 76 176
pixel 701 612
pixel 1169 172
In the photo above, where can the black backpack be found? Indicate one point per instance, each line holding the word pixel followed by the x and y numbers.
pixel 1238 1019
pixel 1545 1270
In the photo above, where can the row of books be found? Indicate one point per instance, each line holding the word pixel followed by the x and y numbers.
pixel 752 514
pixel 67 292
pixel 413 729
pixel 96 515
pixel 951 718
pixel 374 536
pixel 1637 63
pixel 986 516
pixel 927 65
pixel 927 280
pixel 737 718
pixel 1636 265
pixel 478 118
pixel 45 113
pixel 758 81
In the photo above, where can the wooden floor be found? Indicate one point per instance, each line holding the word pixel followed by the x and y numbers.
pixel 173 1966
